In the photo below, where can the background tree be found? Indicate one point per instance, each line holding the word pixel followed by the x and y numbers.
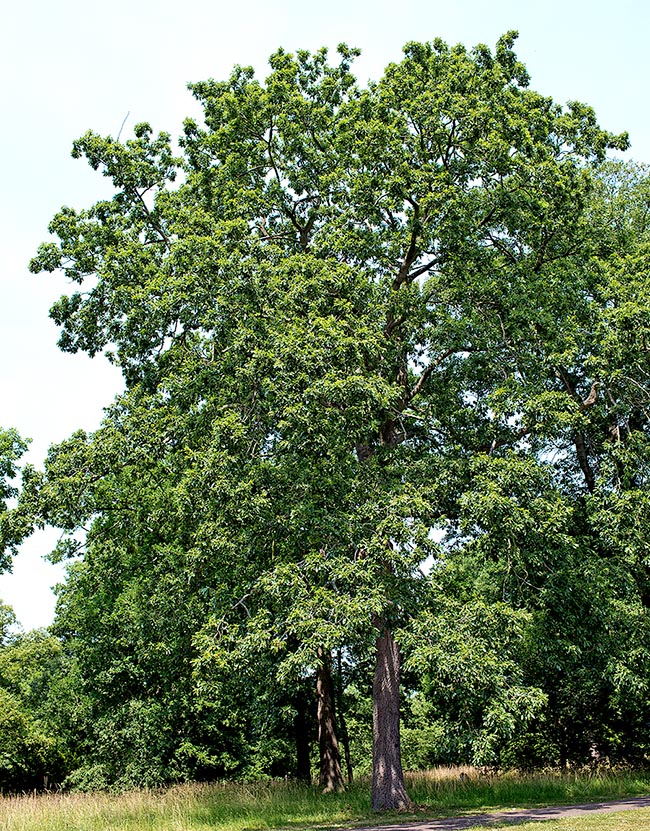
pixel 131 605
pixel 32 743
pixel 541 529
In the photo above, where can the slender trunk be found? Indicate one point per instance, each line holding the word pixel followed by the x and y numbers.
pixel 563 745
pixel 301 733
pixel 331 777
pixel 345 741
pixel 388 789
pixel 343 728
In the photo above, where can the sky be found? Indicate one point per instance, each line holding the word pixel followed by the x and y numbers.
pixel 69 66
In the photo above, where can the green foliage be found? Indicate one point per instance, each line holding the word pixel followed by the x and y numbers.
pixel 12 448
pixel 20 747
pixel 15 523
pixel 474 692
pixel 31 745
pixel 347 317
pixel 7 623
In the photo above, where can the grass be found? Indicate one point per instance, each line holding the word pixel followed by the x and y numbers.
pixel 442 789
pixel 628 821
pixel 270 805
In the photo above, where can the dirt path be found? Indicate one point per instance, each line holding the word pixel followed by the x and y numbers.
pixel 516 816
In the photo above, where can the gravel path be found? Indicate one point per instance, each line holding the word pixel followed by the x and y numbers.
pixel 517 816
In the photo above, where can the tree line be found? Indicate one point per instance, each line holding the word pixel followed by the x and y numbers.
pixel 377 483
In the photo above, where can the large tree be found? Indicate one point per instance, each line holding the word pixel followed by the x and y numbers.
pixel 339 305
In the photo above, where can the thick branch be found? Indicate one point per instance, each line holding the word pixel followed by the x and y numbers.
pixel 583 461
pixel 411 254
pixel 578 437
pixel 546 238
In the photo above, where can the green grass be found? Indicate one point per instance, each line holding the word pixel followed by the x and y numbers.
pixel 444 792
pixel 264 806
pixel 626 821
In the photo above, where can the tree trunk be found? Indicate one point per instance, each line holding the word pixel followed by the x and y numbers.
pixel 388 789
pixel 343 729
pixel 331 777
pixel 301 733
pixel 345 741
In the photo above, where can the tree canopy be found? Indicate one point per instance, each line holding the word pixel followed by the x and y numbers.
pixel 351 320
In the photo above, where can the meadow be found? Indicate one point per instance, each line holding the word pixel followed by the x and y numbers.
pixel 261 806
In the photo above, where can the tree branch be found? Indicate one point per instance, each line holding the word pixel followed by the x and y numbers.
pixel 427 374
pixel 411 254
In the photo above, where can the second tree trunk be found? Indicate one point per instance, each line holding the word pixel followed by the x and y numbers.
pixel 331 777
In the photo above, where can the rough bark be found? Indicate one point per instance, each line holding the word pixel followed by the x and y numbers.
pixel 330 777
pixel 388 788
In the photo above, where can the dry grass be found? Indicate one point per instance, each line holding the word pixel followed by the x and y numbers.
pixel 263 806
pixel 194 807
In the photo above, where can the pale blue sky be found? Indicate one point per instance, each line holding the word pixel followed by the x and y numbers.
pixel 70 65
